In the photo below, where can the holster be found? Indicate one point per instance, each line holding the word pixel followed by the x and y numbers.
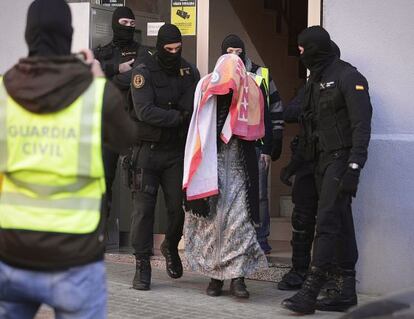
pixel 131 176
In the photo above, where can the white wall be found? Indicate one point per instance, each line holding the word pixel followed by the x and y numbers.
pixel 13 23
pixel 80 23
pixel 377 37
pixel 224 21
pixel 12 26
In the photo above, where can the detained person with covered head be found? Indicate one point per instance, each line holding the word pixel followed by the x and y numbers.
pixel 270 146
pixel 59 113
pixel 335 133
pixel 227 120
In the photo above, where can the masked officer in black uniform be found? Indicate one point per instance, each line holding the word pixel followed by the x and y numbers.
pixel 336 132
pixel 162 93
pixel 116 59
pixel 305 199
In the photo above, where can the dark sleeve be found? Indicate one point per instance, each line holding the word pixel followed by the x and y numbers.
pixel 275 110
pixel 144 103
pixel 354 87
pixel 294 107
pixel 119 130
pixel 122 80
pixel 268 138
pixel 108 66
pixel 110 70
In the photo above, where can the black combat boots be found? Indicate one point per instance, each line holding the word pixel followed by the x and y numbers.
pixel 238 288
pixel 172 260
pixel 142 278
pixel 214 287
pixel 304 301
pixel 292 280
pixel 344 297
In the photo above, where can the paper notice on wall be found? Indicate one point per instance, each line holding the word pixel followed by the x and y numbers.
pixel 113 3
pixel 153 27
pixel 184 16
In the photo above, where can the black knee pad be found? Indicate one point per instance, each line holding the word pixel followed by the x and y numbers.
pixel 303 219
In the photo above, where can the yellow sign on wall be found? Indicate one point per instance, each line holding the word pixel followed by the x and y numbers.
pixel 184 16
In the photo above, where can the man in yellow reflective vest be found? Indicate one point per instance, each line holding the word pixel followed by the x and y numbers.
pixel 55 115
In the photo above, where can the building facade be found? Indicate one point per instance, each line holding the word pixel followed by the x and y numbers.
pixel 375 36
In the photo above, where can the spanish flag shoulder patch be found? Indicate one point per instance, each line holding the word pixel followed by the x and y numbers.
pixel 359 87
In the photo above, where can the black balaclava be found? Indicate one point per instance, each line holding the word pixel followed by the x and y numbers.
pixel 49 28
pixel 318 52
pixel 336 49
pixel 233 41
pixel 123 35
pixel 169 62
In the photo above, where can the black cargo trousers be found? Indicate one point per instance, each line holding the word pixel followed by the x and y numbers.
pixel 157 164
pixel 335 243
pixel 305 199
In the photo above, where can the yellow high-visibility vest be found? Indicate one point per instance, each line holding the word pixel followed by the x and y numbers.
pixel 264 73
pixel 53 175
pixel 258 79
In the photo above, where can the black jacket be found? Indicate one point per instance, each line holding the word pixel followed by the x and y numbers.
pixel 110 56
pixel 162 103
pixel 43 86
pixel 293 109
pixel 337 112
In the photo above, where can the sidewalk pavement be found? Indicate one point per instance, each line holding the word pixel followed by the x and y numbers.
pixel 185 298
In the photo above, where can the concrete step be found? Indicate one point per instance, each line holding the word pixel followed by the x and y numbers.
pixel 280 229
pixel 286 206
pixel 281 252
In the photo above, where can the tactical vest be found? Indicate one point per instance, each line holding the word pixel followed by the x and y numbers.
pixel 53 171
pixel 332 119
pixel 167 96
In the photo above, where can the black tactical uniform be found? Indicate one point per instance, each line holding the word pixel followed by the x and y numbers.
pixel 337 127
pixel 121 49
pixel 162 93
pixel 304 197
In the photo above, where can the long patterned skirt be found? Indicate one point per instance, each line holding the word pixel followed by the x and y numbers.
pixel 224 245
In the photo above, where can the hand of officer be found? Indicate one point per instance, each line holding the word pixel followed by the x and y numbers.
pixel 88 58
pixel 265 159
pixel 349 182
pixel 126 66
pixel 276 149
pixel 198 207
pixel 185 117
pixel 288 171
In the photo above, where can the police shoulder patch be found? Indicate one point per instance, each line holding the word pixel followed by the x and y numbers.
pixel 138 81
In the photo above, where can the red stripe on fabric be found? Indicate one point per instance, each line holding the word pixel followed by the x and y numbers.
pixel 195 163
pixel 203 195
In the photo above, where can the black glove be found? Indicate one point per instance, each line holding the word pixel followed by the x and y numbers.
pixel 288 171
pixel 197 207
pixel 185 117
pixel 276 149
pixel 349 182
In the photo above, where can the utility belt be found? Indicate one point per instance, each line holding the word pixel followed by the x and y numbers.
pixel 134 173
